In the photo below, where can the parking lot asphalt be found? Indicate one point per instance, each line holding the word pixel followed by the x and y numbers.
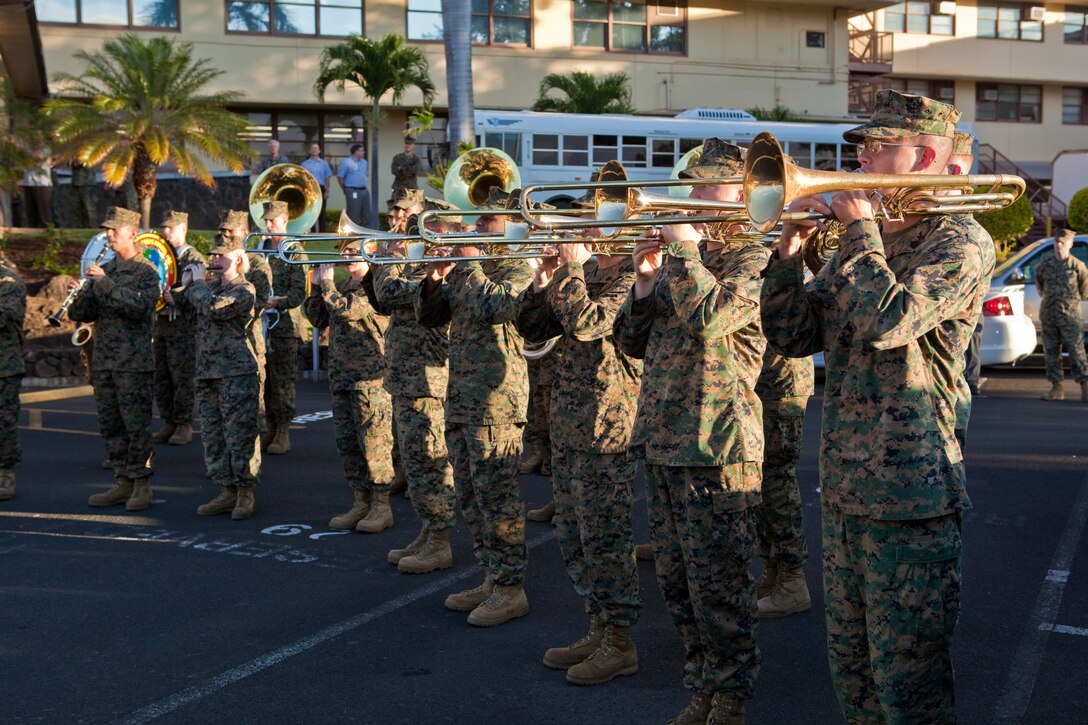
pixel 162 616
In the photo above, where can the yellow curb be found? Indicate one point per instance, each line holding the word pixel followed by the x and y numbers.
pixel 45 396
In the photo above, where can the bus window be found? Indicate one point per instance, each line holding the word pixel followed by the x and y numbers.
pixel 801 151
pixel 663 153
pixel 634 151
pixel 687 144
pixel 826 157
pixel 576 151
pixel 545 149
pixel 849 155
pixel 604 149
pixel 510 143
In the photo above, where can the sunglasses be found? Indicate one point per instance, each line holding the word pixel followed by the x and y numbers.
pixel 874 146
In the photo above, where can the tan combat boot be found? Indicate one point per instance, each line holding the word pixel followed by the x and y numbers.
pixel 531 463
pixel 697 711
pixel 183 435
pixel 504 604
pixel 789 596
pixel 544 513
pixel 163 434
pixel 7 484
pixel 765 583
pixel 395 555
pixel 347 520
pixel 644 552
pixel 561 658
pixel 221 504
pixel 116 495
pixel 1056 392
pixel 546 463
pixel 1084 391
pixel 243 507
pixel 469 599
pixel 141 495
pixel 727 709
pixel 435 554
pixel 281 442
pixel 379 517
pixel 615 657
pixel 400 482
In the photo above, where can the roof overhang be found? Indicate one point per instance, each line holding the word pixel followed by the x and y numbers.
pixel 21 50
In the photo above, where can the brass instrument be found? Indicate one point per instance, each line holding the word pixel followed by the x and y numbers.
pixel 471 176
pixel 289 183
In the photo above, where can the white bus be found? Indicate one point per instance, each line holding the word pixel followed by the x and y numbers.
pixel 567 147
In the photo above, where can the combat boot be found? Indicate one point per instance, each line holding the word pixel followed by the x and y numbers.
pixel 469 599
pixel 183 435
pixel 347 520
pixel 697 711
pixel 243 507
pixel 544 513
pixel 531 463
pixel 727 709
pixel 7 484
pixel 400 482
pixel 644 552
pixel 435 554
pixel 141 495
pixel 546 463
pixel 116 495
pixel 615 657
pixel 1056 392
pixel 789 596
pixel 765 583
pixel 281 442
pixel 561 658
pixel 395 555
pixel 379 517
pixel 504 604
pixel 163 434
pixel 1084 391
pixel 221 504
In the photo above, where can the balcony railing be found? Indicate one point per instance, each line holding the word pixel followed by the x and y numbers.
pixel 870 50
pixel 861 94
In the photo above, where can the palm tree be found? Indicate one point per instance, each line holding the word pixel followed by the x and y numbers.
pixel 139 105
pixel 378 67
pixel 456 23
pixel 585 93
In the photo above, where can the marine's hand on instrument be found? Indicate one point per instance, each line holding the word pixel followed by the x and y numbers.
pixel 323 272
pixel 437 271
pixel 72 284
pixel 680 233
pixel 272 303
pixel 545 268
pixel 574 252
pixel 167 297
pixel 647 257
pixel 850 206
pixel 197 272
pixel 794 233
pixel 94 272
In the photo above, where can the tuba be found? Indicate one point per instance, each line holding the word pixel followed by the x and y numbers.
pixel 469 179
pixel 292 184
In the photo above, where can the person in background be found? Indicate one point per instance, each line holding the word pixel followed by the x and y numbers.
pixel 1062 281
pixel 321 171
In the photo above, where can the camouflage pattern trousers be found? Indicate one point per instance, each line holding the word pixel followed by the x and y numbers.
pixel 279 385
pixel 485 460
pixel 421 427
pixel 1067 330
pixel 780 531
pixel 363 419
pixel 892 598
pixel 175 363
pixel 124 420
pixel 593 507
pixel 228 421
pixel 703 533
pixel 539 415
pixel 10 452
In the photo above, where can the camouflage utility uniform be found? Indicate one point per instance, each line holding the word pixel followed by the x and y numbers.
pixel 698 431
pixel 539 414
pixel 405 170
pixel 289 283
pixel 260 276
pixel 175 354
pixel 1062 284
pixel 12 314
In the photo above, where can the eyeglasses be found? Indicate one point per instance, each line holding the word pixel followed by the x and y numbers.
pixel 874 145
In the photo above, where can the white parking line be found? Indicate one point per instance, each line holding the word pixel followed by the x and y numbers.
pixel 1065 629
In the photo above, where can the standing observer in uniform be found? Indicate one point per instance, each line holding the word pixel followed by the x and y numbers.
pixel 362 413
pixel 175 347
pixel 120 298
pixel 1062 281
pixel 12 314
pixel 892 312
pixel 405 167
pixel 694 319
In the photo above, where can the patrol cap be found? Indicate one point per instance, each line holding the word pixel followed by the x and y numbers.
pixel 222 245
pixel 273 209
pixel 175 219
pixel 1064 235
pixel 431 203
pixel 235 219
pixel 718 158
pixel 900 115
pixel 118 216
pixel 611 171
pixel 407 198
pixel 497 199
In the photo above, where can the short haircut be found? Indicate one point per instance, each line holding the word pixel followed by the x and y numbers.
pixel 355 147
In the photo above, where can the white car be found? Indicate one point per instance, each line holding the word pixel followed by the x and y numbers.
pixel 1019 271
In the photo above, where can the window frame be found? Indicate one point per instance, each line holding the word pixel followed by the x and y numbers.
pixel 1083 105
pixel 682 10
pixel 274 121
pixel 79 23
pixel 998 5
pixel 933 7
pixel 490 27
pixel 1083 12
pixel 933 86
pixel 272 20
pixel 981 87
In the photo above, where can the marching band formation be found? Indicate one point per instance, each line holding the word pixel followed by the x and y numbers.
pixel 681 343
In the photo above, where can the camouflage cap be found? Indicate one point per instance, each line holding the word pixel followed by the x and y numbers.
pixel 407 198
pixel 585 201
pixel 273 209
pixel 498 199
pixel 222 245
pixel 235 219
pixel 431 203
pixel 345 244
pixel 718 158
pixel 899 115
pixel 118 216
pixel 1064 235
pixel 963 144
pixel 175 219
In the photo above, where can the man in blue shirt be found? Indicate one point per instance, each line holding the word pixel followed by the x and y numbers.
pixel 321 171
pixel 352 175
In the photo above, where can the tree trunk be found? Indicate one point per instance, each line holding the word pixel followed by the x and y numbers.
pixel 456 22
pixel 144 178
pixel 372 154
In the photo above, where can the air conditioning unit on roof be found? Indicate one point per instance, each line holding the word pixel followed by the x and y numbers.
pixel 1037 13
pixel 717 114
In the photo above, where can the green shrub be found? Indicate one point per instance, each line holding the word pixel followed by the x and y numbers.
pixel 1008 225
pixel 200 242
pixel 1078 211
pixel 48 258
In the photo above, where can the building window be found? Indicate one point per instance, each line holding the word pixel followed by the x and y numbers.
pixel 1076 25
pixel 116 13
pixel 938 90
pixel 918 16
pixel 1009 102
pixel 1010 21
pixel 631 26
pixel 296 17
pixel 494 22
pixel 296 130
pixel 1075 106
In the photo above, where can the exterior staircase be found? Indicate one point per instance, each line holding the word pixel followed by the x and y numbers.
pixel 1050 211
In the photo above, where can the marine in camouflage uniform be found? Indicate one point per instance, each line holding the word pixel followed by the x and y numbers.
pixel 175 351
pixel 122 306
pixel 1062 284
pixel 593 394
pixel 486 401
pixel 405 167
pixel 361 408
pixel 538 427
pixel 12 314
pixel 226 380
pixel 892 311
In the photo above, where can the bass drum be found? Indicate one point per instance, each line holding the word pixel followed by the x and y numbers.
pixel 159 252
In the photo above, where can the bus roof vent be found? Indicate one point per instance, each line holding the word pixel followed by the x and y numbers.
pixel 717 114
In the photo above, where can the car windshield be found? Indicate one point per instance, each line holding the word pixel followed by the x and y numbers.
pixel 1029 257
